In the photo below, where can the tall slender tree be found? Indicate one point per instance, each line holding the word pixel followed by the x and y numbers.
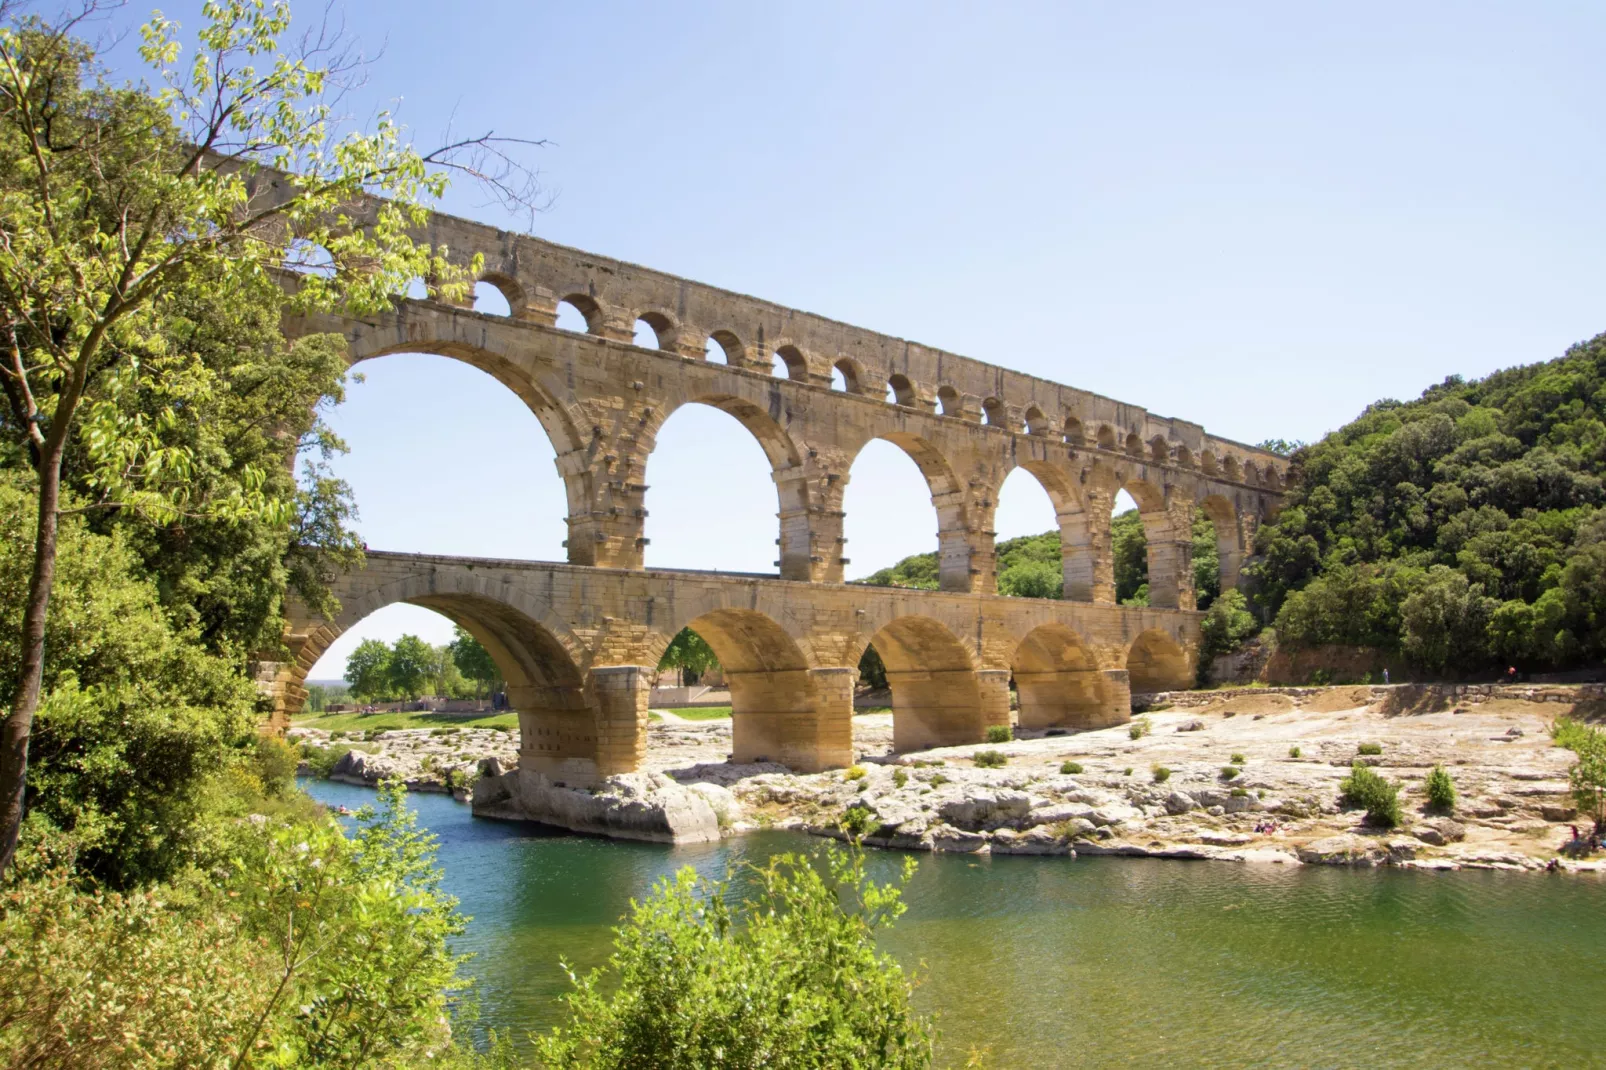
pixel 116 201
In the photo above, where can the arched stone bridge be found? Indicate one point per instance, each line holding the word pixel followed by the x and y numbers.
pixel 966 424
pixel 578 645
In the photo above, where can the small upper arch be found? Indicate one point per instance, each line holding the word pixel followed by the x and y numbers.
pixel 1074 435
pixel 1106 437
pixel 723 348
pixel 510 290
pixel 900 391
pixel 1159 450
pixel 655 329
pixel 1036 422
pixel 1184 456
pixel 1231 469
pixel 789 363
pixel 852 376
pixel 993 413
pixel 1134 444
pixel 1207 462
pixel 588 309
pixel 949 401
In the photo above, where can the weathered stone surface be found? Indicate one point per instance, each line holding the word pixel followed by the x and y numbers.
pixel 1343 850
pixel 946 838
pixel 987 809
pixel 1179 802
pixel 630 806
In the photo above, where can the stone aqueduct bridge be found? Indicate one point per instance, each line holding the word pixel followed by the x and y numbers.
pixel 576 641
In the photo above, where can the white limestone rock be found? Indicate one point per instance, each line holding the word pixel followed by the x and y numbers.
pixel 630 806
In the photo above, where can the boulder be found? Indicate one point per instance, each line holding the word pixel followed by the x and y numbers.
pixel 1114 814
pixel 1429 835
pixel 1343 850
pixel 1055 813
pixel 1179 802
pixel 946 838
pixel 1558 813
pixel 630 806
pixel 720 800
pixel 1037 840
pixel 987 808
pixel 1453 831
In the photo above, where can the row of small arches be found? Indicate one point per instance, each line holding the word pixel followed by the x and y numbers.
pixel 655 330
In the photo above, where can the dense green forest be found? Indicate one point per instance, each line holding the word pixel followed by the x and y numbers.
pixel 1463 529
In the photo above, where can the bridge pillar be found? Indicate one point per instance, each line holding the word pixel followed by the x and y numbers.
pixel 607 512
pixel 621 693
pixel 1170 535
pixel 1234 548
pixel 557 733
pixel 1073 698
pixel 811 526
pixel 801 718
pixel 992 687
pixel 937 708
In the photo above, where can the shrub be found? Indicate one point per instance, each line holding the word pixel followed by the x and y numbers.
pixel 1364 789
pixel 1138 728
pixel 1369 748
pixel 316 948
pixel 322 760
pixel 1161 773
pixel 1587 778
pixel 1239 759
pixel 1440 789
pixel 1293 752
pixel 1239 793
pixel 1127 771
pixel 1070 768
pixel 900 777
pixel 790 978
pixel 999 733
pixel 989 759
pixel 854 772
pixel 1574 735
pixel 938 780
pixel 1229 772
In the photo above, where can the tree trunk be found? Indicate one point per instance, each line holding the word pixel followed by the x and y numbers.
pixel 18 726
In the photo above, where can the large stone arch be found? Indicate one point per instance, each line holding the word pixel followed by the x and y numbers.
pixel 1168 531
pixel 786 469
pixel 782 709
pixel 948 497
pixel 1061 685
pixel 1230 549
pixel 1078 531
pixel 1157 662
pixel 937 697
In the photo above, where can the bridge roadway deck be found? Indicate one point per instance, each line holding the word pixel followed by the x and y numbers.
pixel 578 646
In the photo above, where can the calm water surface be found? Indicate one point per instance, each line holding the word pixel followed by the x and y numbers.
pixel 1111 962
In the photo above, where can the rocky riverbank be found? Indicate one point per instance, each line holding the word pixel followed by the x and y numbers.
pixel 1166 793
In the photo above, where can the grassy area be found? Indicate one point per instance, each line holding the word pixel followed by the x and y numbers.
pixel 384 722
pixel 871 709
pixel 702 713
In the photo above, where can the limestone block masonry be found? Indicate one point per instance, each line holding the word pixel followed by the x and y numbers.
pixel 576 641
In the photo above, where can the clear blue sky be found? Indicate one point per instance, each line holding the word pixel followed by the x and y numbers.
pixel 1258 216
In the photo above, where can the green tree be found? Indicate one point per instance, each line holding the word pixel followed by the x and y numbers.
pixel 690 652
pixel 1226 626
pixel 1032 579
pixel 872 670
pixel 139 724
pixel 790 978
pixel 412 661
pixel 116 202
pixel 475 662
pixel 368 671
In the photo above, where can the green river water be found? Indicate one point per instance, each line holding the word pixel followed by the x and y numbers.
pixel 1111 962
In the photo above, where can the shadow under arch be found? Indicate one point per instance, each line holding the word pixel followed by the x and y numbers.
pixel 947 498
pixel 777 712
pixel 1061 685
pixel 1156 662
pixel 936 693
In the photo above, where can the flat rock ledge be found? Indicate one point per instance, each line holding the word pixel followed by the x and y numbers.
pixel 631 806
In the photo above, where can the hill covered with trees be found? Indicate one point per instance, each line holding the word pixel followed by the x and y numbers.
pixel 1464 529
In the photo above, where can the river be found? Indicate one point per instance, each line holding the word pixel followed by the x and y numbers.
pixel 1109 962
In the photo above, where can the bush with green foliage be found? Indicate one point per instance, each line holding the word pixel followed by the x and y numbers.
pixel 309 949
pixel 989 759
pixel 1138 728
pixel 787 975
pixel 1370 749
pixel 1160 773
pixel 1464 529
pixel 999 733
pixel 1364 789
pixel 1574 735
pixel 1070 768
pixel 1230 772
pixel 1294 752
pixel 1440 789
pixel 1225 627
pixel 1238 759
